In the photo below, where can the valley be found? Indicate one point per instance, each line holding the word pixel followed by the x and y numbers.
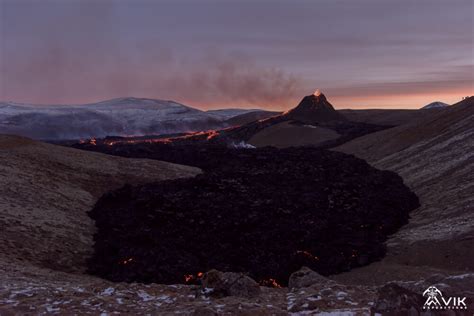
pixel 412 250
pixel 247 158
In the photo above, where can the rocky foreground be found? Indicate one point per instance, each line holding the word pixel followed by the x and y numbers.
pixel 33 291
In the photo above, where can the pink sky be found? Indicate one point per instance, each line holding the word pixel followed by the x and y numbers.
pixel 210 54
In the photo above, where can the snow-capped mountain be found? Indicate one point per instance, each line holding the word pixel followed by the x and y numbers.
pixel 121 117
pixel 435 105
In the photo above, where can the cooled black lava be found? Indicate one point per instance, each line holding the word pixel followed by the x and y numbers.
pixel 266 212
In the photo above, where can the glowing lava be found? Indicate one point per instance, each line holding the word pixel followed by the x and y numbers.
pixel 270 283
pixel 188 278
pixel 208 135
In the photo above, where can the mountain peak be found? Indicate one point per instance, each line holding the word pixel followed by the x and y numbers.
pixel 318 96
pixel 314 108
pixel 435 105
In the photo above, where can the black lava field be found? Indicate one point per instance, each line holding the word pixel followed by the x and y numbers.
pixel 265 212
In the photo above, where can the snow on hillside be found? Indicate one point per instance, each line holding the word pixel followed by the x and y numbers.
pixel 122 117
pixel 435 105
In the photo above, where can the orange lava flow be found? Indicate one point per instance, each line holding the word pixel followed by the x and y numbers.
pixel 188 277
pixel 270 283
pixel 191 277
pixel 210 134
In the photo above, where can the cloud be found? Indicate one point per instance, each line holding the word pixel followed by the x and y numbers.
pixel 249 54
pixel 447 80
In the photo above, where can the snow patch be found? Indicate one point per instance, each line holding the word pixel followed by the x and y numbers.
pixel 145 296
pixel 108 291
pixel 461 276
pixel 242 144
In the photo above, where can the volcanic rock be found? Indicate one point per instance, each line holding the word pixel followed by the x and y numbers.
pixel 396 300
pixel 305 277
pixel 314 109
pixel 265 212
pixel 204 311
pixel 221 284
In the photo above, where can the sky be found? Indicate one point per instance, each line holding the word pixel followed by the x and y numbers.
pixel 222 53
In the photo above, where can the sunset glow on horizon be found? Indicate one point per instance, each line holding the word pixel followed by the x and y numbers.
pixel 208 54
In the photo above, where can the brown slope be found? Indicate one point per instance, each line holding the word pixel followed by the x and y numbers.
pixel 46 190
pixel 389 117
pixel 435 156
pixel 250 117
pixel 371 147
pixel 286 134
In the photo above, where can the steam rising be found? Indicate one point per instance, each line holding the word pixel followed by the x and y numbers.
pixel 317 93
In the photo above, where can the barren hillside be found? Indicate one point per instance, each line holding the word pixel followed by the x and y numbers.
pixel 389 117
pixel 250 117
pixel 441 123
pixel 46 190
pixel 435 157
pixel 285 134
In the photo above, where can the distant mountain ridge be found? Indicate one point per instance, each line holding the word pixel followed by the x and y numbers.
pixel 132 116
pixel 120 117
pixel 435 105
